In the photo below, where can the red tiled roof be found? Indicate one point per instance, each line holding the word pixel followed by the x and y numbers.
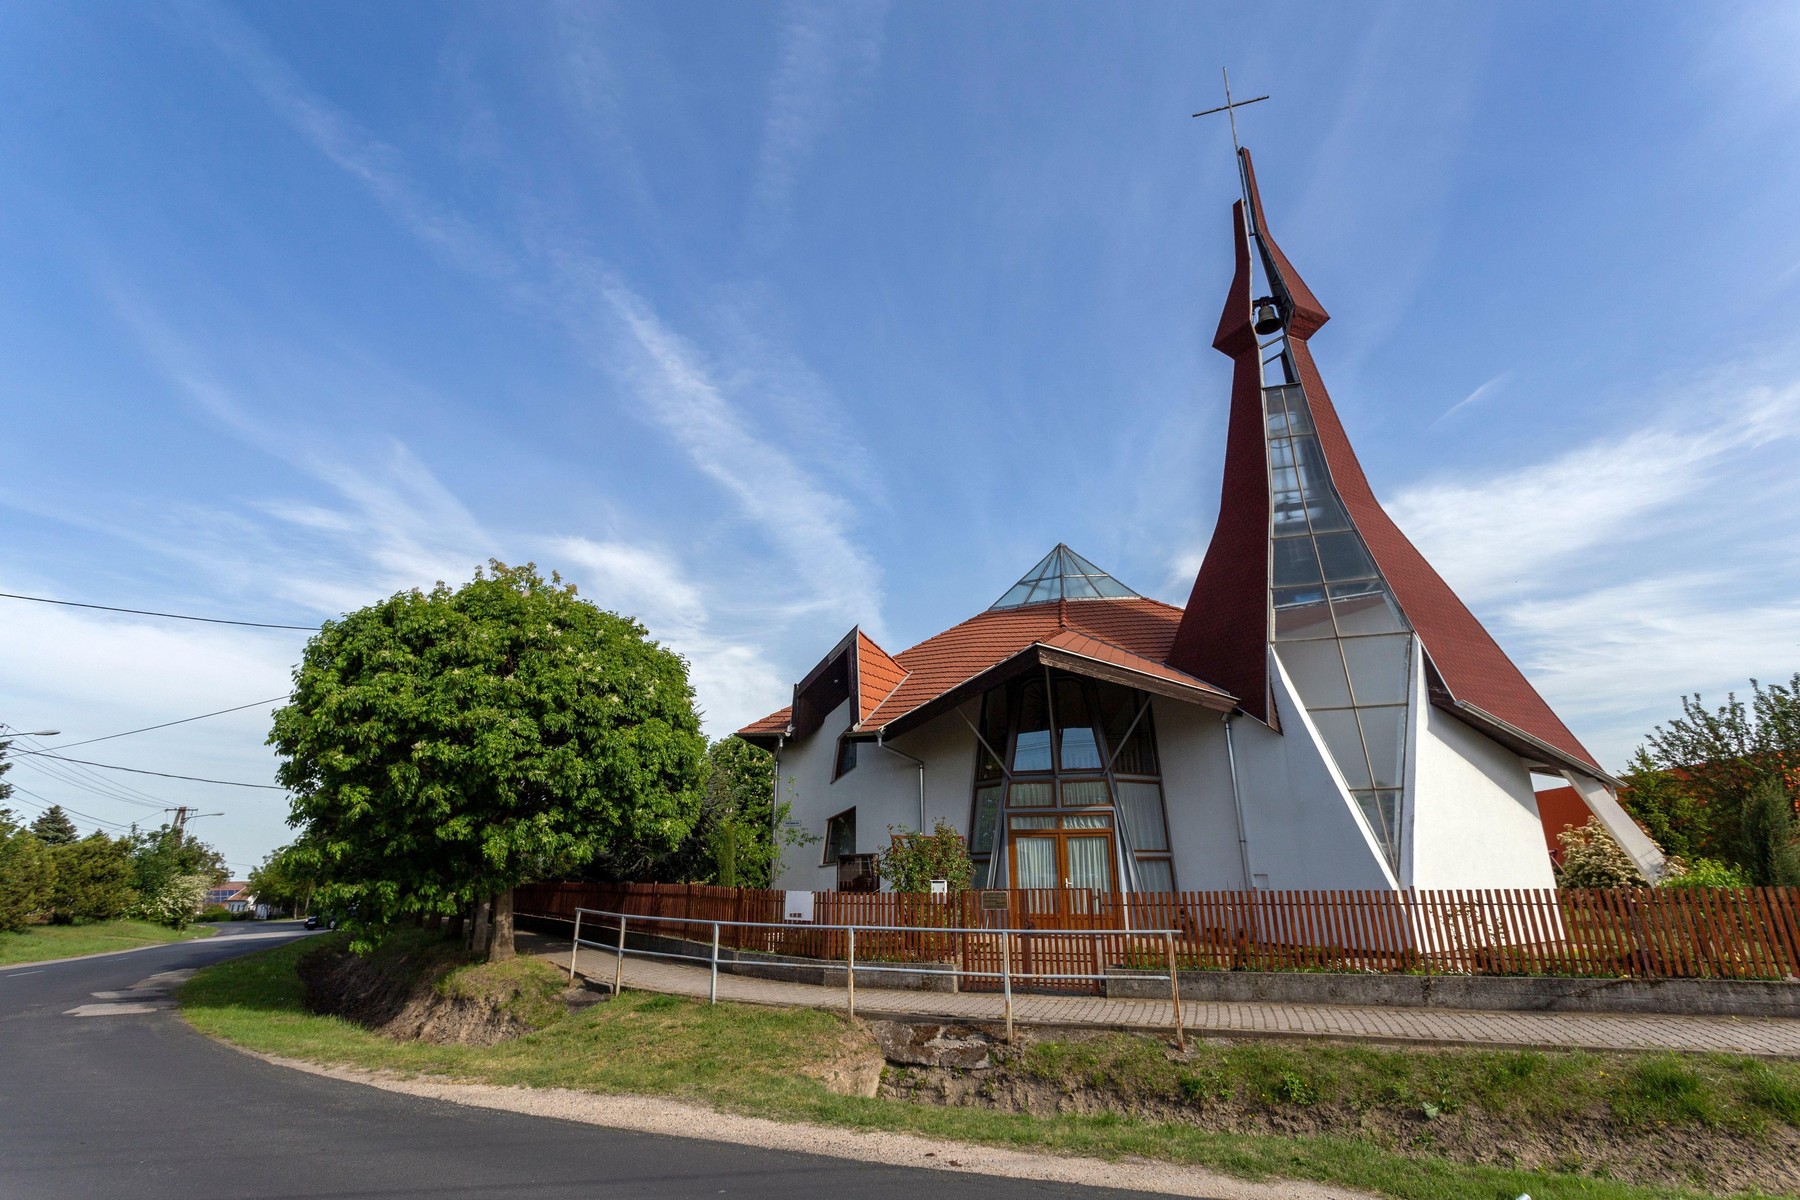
pixel 877 675
pixel 1132 634
pixel 775 723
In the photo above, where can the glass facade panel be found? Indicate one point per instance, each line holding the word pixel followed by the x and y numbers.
pixel 1031 795
pixel 1031 822
pixel 1382 811
pixel 1302 613
pixel 1365 607
pixel 987 820
pixel 1294 562
pixel 1343 738
pixel 1087 821
pixel 1125 712
pixel 1343 557
pixel 1085 793
pixel 1384 731
pixel 1032 751
pixel 1141 806
pixel 1317 669
pixel 1079 745
pixel 1350 660
pixel 1062 575
pixel 993 735
pixel 1379 668
pixel 1155 875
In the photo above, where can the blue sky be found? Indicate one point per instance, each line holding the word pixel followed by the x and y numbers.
pixel 758 321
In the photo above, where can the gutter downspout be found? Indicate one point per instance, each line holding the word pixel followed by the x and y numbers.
pixel 1237 803
pixel 880 743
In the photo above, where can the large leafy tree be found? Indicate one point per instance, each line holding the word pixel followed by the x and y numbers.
pixel 287 878
pixel 445 746
pixel 1724 783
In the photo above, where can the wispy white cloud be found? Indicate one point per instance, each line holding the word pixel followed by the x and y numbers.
pixel 829 50
pixel 674 382
pixel 1473 398
pixel 1508 532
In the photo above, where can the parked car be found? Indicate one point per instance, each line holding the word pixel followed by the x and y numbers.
pixel 312 922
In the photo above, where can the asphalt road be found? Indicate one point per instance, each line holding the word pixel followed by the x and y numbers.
pixel 127 1101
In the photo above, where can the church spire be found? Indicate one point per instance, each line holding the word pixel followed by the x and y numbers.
pixel 1306 569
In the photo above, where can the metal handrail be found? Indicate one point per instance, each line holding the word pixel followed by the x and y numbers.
pixel 1005 974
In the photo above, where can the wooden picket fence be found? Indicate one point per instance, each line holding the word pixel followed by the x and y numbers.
pixel 1657 933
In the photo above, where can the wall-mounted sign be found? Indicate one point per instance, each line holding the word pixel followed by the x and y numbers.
pixel 940 887
pixel 798 906
pixel 993 902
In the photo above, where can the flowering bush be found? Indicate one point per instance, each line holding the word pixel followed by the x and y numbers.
pixel 1591 859
pixel 915 859
pixel 176 902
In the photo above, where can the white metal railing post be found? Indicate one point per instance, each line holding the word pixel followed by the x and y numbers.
pixel 1175 990
pixel 1006 979
pixel 712 986
pixel 619 959
pixel 850 976
pixel 575 946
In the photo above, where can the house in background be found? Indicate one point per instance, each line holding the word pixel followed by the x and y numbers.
pixel 234 894
pixel 1323 714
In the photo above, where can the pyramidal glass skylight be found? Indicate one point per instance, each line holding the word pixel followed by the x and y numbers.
pixel 1062 575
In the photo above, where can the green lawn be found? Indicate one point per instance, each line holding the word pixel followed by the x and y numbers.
pixel 767 1062
pixel 37 942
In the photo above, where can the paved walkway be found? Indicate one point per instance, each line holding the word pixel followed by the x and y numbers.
pixel 1764 1036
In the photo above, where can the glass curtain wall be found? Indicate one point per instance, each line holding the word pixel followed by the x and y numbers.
pixel 1068 791
pixel 1338 632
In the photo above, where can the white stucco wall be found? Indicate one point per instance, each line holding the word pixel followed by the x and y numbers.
pixel 1203 835
pixel 1303 827
pixel 1471 816
pixel 884 790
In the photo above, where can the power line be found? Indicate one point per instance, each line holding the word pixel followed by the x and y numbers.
pixel 166 724
pixel 43 805
pixel 273 787
pixel 142 612
pixel 82 778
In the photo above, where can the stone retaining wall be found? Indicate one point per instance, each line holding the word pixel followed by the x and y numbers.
pixel 1536 993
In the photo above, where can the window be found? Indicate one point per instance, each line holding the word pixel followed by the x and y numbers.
pixel 1076 747
pixel 840 837
pixel 846 758
pixel 1341 638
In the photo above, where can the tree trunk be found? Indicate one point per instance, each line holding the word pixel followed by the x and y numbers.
pixel 480 928
pixel 491 932
pixel 500 945
pixel 435 922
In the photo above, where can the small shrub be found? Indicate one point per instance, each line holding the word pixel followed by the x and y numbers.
pixel 1292 1089
pixel 1705 873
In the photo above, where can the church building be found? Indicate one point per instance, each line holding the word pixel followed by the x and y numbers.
pixel 1323 714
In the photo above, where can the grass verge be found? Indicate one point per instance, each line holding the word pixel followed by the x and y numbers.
pixel 37 942
pixel 770 1062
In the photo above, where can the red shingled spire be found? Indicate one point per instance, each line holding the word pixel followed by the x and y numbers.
pixel 1224 633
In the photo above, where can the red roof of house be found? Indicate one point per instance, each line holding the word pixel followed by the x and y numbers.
pixel 1131 635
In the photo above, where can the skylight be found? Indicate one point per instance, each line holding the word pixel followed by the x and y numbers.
pixel 1062 575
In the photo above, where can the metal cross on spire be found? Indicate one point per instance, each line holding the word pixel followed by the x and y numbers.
pixel 1229 108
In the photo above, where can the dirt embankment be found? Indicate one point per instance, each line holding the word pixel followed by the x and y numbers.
pixel 429 991
pixel 965 1066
